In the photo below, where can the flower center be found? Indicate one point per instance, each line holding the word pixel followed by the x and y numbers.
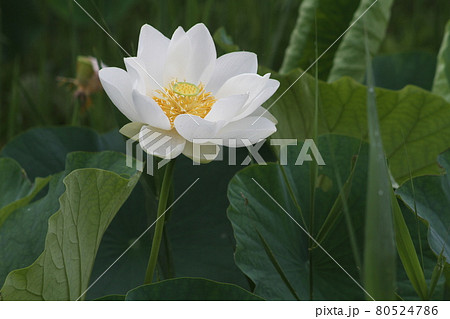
pixel 186 89
pixel 184 98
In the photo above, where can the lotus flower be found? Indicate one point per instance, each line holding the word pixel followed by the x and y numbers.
pixel 177 92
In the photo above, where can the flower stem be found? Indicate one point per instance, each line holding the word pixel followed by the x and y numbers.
pixel 76 113
pixel 164 194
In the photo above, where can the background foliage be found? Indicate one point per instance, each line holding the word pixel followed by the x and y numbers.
pixel 43 41
pixel 229 241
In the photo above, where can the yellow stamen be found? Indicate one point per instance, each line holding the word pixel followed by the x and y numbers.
pixel 184 98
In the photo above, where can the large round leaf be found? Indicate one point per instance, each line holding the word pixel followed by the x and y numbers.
pixel 16 190
pixel 22 235
pixel 127 271
pixel 268 238
pixel 42 151
pixel 14 183
pixel 272 249
pixel 62 271
pixel 429 196
pixel 412 120
pixel 190 289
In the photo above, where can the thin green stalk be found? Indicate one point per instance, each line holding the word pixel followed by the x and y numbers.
pixel 277 266
pixel 407 251
pixel 73 36
pixel 75 120
pixel 280 30
pixel 163 14
pixel 415 206
pixel 313 172
pixel 13 103
pixel 165 190
pixel 1 78
pixel 167 258
pixel 191 13
pixel 437 272
pixel 43 104
pixel 343 201
pixel 337 209
pixel 207 11
pixel 291 193
pixel 31 103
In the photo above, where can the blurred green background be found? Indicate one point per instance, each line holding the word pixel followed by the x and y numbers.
pixel 41 40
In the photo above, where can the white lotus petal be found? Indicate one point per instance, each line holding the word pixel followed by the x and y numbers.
pixel 150 112
pixel 247 83
pixel 271 87
pixel 247 129
pixel 161 143
pixel 262 112
pixel 194 127
pixel 141 78
pixel 206 152
pixel 178 56
pixel 225 109
pixel 132 130
pixel 118 86
pixel 203 55
pixel 152 50
pixel 230 65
